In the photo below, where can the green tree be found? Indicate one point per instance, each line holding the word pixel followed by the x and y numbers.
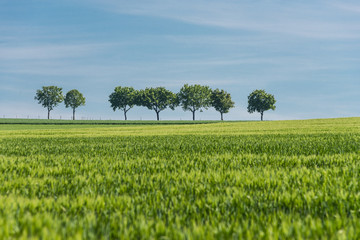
pixel 74 99
pixel 49 97
pixel 260 101
pixel 123 98
pixel 157 99
pixel 194 97
pixel 221 101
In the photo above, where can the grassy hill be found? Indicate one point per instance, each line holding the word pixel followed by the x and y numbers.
pixel 221 180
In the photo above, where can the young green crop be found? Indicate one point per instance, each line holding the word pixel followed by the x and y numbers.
pixel 243 180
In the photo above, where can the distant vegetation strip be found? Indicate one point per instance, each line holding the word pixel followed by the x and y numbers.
pixel 99 122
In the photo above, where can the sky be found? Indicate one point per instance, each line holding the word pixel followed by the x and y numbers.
pixel 306 53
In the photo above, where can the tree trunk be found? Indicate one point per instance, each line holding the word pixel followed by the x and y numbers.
pixel 73 113
pixel 48 113
pixel 125 115
pixel 262 116
pixel 193 115
pixel 157 116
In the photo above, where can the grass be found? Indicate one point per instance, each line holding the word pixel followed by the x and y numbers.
pixel 96 122
pixel 238 180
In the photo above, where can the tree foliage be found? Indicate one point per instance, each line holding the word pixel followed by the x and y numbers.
pixel 260 101
pixel 123 98
pixel 194 97
pixel 157 99
pixel 49 97
pixel 74 99
pixel 221 101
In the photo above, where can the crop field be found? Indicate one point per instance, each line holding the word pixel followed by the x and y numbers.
pixel 96 122
pixel 230 180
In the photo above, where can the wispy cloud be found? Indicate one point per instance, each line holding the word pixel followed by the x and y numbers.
pixel 49 51
pixel 320 20
pixel 350 7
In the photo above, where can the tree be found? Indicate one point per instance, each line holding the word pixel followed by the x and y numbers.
pixel 157 99
pixel 221 101
pixel 74 99
pixel 194 97
pixel 49 97
pixel 260 101
pixel 123 98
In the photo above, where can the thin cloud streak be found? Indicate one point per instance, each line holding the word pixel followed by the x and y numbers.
pixel 289 19
pixel 350 7
pixel 53 51
pixel 170 68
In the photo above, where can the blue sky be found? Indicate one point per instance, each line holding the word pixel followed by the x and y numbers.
pixel 306 53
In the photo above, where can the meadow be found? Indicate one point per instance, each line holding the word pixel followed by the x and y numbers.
pixel 216 180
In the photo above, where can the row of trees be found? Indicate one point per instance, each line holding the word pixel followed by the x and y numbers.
pixel 190 97
pixel 51 96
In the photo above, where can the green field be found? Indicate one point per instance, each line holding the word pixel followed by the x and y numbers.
pixel 230 180
pixel 96 122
